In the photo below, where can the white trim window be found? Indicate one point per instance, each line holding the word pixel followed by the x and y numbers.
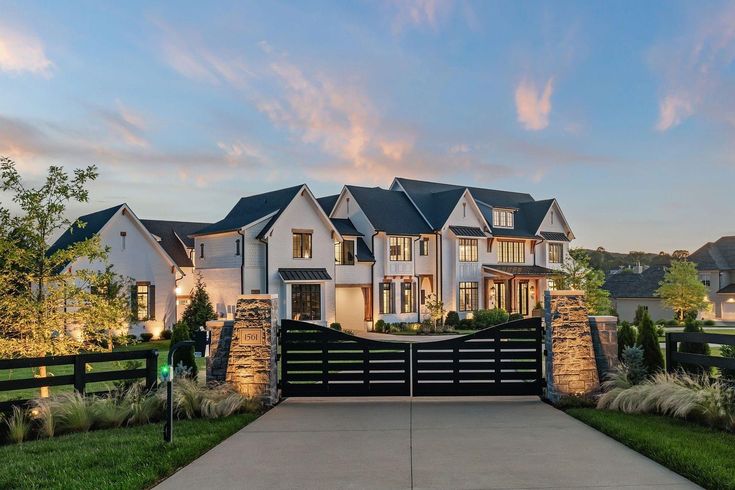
pixel 511 252
pixel 306 302
pixel 502 218
pixel 468 249
pixel 556 253
pixel 400 248
pixel 301 245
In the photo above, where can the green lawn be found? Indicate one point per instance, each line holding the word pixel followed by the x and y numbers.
pixel 126 458
pixel 703 455
pixel 161 345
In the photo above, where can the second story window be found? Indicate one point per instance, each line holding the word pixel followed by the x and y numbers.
pixel 502 218
pixel 556 253
pixel 468 250
pixel 400 248
pixel 424 246
pixel 511 252
pixel 301 245
pixel 237 247
pixel 344 252
pixel 705 279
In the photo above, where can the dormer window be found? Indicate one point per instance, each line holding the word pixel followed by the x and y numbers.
pixel 344 252
pixel 502 218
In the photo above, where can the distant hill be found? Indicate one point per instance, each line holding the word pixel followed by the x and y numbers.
pixel 607 261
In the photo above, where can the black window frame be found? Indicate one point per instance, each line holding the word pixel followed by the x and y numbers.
pixel 148 296
pixel 473 289
pixel 408 297
pixel 344 255
pixel 468 249
pixel 511 255
pixel 424 247
pixel 400 248
pixel 388 308
pixel 560 248
pixel 306 300
pixel 299 252
pixel 237 247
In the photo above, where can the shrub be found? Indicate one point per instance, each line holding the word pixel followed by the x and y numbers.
pixel 467 324
pixel 74 412
pixel 648 340
pixel 633 362
pixel 452 319
pixel 395 328
pixel 166 334
pixel 728 351
pixel 131 338
pixel 146 337
pixel 672 323
pixel 660 331
pixel 184 355
pixel 336 326
pixel 575 401
pixel 709 323
pixel 379 326
pixel 489 318
pixel 660 321
pixel 515 316
pixel 18 425
pixel 693 326
pixel 626 337
pixel 427 325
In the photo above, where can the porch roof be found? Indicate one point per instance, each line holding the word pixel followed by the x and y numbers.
pixel 519 270
pixel 304 274
pixel 467 231
pixel 554 236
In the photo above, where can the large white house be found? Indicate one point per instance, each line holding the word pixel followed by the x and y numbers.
pixel 716 267
pixel 365 254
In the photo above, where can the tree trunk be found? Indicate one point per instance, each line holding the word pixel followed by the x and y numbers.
pixel 42 374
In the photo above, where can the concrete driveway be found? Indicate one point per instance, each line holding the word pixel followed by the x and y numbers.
pixel 450 443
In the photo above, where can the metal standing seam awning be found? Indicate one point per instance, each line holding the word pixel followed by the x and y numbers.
pixel 304 274
pixel 517 270
pixel 554 236
pixel 468 231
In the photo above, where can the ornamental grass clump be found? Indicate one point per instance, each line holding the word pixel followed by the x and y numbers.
pixel 74 412
pixel 19 425
pixel 109 412
pixel 43 412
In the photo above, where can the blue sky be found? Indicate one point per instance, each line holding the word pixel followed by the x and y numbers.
pixel 623 111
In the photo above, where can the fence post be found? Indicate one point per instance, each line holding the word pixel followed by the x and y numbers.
pixel 670 347
pixel 151 369
pixel 79 380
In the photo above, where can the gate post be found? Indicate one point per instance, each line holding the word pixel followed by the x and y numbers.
pixel 243 351
pixel 571 369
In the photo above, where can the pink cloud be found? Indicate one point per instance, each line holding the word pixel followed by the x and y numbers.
pixel 22 52
pixel 532 106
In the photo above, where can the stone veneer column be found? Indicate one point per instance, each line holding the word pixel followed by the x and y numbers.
pixel 570 359
pixel 605 341
pixel 243 351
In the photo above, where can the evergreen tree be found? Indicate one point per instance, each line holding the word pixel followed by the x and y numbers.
pixel 639 313
pixel 648 340
pixel 183 355
pixel 691 325
pixel 199 311
pixel 626 338
pixel 577 273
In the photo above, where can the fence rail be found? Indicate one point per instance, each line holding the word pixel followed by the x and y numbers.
pixel 674 357
pixel 79 377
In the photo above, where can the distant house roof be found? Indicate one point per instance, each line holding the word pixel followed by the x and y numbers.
pixel 521 270
pixel 304 274
pixel 718 255
pixel 252 208
pixel 467 231
pixel 327 203
pixel 554 236
pixel 729 289
pixel 389 211
pixel 175 238
pixel 93 223
pixel 345 227
pixel 363 252
pixel 632 285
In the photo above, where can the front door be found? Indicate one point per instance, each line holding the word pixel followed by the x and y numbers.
pixel 523 298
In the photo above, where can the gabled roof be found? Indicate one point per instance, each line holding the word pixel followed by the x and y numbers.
pixel 345 227
pixel 632 285
pixel 252 208
pixel 389 211
pixel 327 203
pixel 174 238
pixel 718 255
pixel 93 224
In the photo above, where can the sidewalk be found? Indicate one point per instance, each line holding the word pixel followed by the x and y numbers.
pixel 392 443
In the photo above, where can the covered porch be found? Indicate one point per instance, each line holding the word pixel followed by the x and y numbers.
pixel 515 288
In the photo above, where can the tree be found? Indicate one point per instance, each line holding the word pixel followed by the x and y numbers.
pixel 681 290
pixel 648 340
pixel 40 300
pixel 576 273
pixel 199 311
pixel 436 309
pixel 107 307
pixel 640 312
pixel 680 254
pixel 626 338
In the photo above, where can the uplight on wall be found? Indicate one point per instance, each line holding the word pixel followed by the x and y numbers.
pixel 177 290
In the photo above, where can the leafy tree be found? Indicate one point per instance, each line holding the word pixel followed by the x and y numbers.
pixel 691 325
pixel 626 337
pixel 107 307
pixel 436 309
pixel 199 311
pixel 681 290
pixel 648 340
pixel 183 355
pixel 577 273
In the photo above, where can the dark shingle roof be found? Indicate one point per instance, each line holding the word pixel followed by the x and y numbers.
pixel 554 236
pixel 530 270
pixel 363 252
pixel 632 285
pixel 304 274
pixel 467 231
pixel 729 289
pixel 174 237
pixel 93 224
pixel 719 255
pixel 345 227
pixel 252 208
pixel 389 211
pixel 327 203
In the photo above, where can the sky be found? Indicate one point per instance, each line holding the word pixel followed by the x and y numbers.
pixel 623 111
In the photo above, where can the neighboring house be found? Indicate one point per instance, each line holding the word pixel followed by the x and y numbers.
pixel 143 251
pixel 716 266
pixel 630 289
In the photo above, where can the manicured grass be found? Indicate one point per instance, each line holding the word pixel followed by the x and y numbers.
pixel 161 345
pixel 702 455
pixel 126 458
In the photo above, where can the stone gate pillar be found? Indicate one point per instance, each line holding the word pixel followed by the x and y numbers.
pixel 570 360
pixel 243 351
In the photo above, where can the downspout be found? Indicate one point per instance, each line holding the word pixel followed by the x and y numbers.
pixel 441 267
pixel 266 264
pixel 372 282
pixel 417 298
pixel 242 261
pixel 534 251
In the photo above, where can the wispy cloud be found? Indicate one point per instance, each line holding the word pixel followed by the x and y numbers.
pixel 532 105
pixel 22 52
pixel 419 13
pixel 126 123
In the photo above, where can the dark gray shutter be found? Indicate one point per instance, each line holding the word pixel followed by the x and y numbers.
pixel 151 302
pixel 134 302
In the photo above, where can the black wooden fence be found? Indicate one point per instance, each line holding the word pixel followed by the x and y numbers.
pixel 674 358
pixel 79 377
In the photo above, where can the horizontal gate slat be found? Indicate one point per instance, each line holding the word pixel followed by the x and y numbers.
pixel 382 366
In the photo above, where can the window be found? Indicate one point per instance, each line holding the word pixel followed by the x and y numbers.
pixel 387 305
pixel 302 245
pixel 468 296
pixel 705 281
pixel 237 247
pixel 556 253
pixel 468 249
pixel 552 217
pixel 407 298
pixel 423 297
pixel 344 252
pixel 201 251
pixel 143 301
pixel 550 284
pixel 306 302
pixel 123 236
pixel 400 248
pixel 502 218
pixel 511 252
pixel 424 246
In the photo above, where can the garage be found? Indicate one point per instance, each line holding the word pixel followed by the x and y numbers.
pixel 728 309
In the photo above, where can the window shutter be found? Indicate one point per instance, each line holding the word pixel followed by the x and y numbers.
pixel 151 302
pixel 134 302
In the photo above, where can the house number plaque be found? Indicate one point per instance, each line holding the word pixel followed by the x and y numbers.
pixel 250 336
